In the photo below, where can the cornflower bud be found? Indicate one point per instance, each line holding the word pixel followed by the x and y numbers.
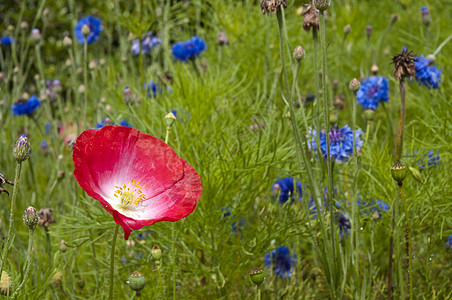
pixel 374 69
pixel 137 282
pixel 355 85
pixel 322 5
pixel 416 174
pixel 24 25
pixel 426 18
pixel 67 41
pixel 21 151
pixel 394 18
pixel 85 30
pixel 257 276
pixel 30 217
pixel 347 29
pixel 35 35
pixel 298 53
pixel 368 31
pixel 57 279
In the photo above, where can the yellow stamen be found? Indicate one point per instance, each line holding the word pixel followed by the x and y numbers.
pixel 126 196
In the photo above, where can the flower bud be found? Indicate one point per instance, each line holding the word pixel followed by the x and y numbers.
pixel 156 253
pixel 30 217
pixel 81 89
pixel 222 39
pixel 374 69
pixel 57 279
pixel 355 85
pixel 347 29
pixel 431 59
pixel 416 174
pixel 368 31
pixel 394 18
pixel 6 284
pixel 333 118
pixel 298 53
pixel 21 151
pixel 35 35
pixel 170 118
pixel 426 18
pixel 85 30
pixel 137 282
pixel 398 172
pixel 322 5
pixel 67 42
pixel 257 276
pixel 24 25
pixel 63 246
pixel 369 114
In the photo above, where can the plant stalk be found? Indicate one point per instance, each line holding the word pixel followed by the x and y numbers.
pixel 112 261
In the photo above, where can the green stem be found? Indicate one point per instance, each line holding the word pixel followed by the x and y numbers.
pixel 409 243
pixel 258 293
pixel 8 241
pixel 438 50
pixel 391 251
pixel 31 232
pixel 398 139
pixel 160 279
pixel 367 132
pixel 85 78
pixel 326 117
pixel 112 261
pixel 168 130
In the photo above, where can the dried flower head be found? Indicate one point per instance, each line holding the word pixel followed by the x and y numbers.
pixel 404 64
pixel 268 6
pixel 45 217
pixel 2 181
pixel 222 39
pixel 310 18
pixel 6 286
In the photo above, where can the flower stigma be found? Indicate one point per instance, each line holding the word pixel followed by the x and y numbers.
pixel 129 193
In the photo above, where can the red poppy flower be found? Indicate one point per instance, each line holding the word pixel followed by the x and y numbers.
pixel 138 178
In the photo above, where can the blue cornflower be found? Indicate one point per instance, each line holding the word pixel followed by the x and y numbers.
pixel 152 89
pixel 374 89
pixel 107 122
pixel 426 73
pixel 285 187
pixel 280 261
pixel 190 49
pixel 344 224
pixel 148 43
pixel 449 242
pixel 375 208
pixel 95 27
pixel 25 107
pixel 44 145
pixel 341 142
pixel 7 40
pixel 47 127
pixel 236 225
pixel 427 160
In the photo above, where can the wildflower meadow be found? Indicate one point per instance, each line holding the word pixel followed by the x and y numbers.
pixel 225 149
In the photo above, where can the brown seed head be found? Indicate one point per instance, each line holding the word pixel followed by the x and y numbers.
pixel 268 6
pixel 45 217
pixel 310 18
pixel 404 64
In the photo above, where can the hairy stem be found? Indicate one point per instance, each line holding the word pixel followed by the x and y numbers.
pixel 409 243
pixel 398 139
pixel 31 232
pixel 112 261
pixel 9 241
